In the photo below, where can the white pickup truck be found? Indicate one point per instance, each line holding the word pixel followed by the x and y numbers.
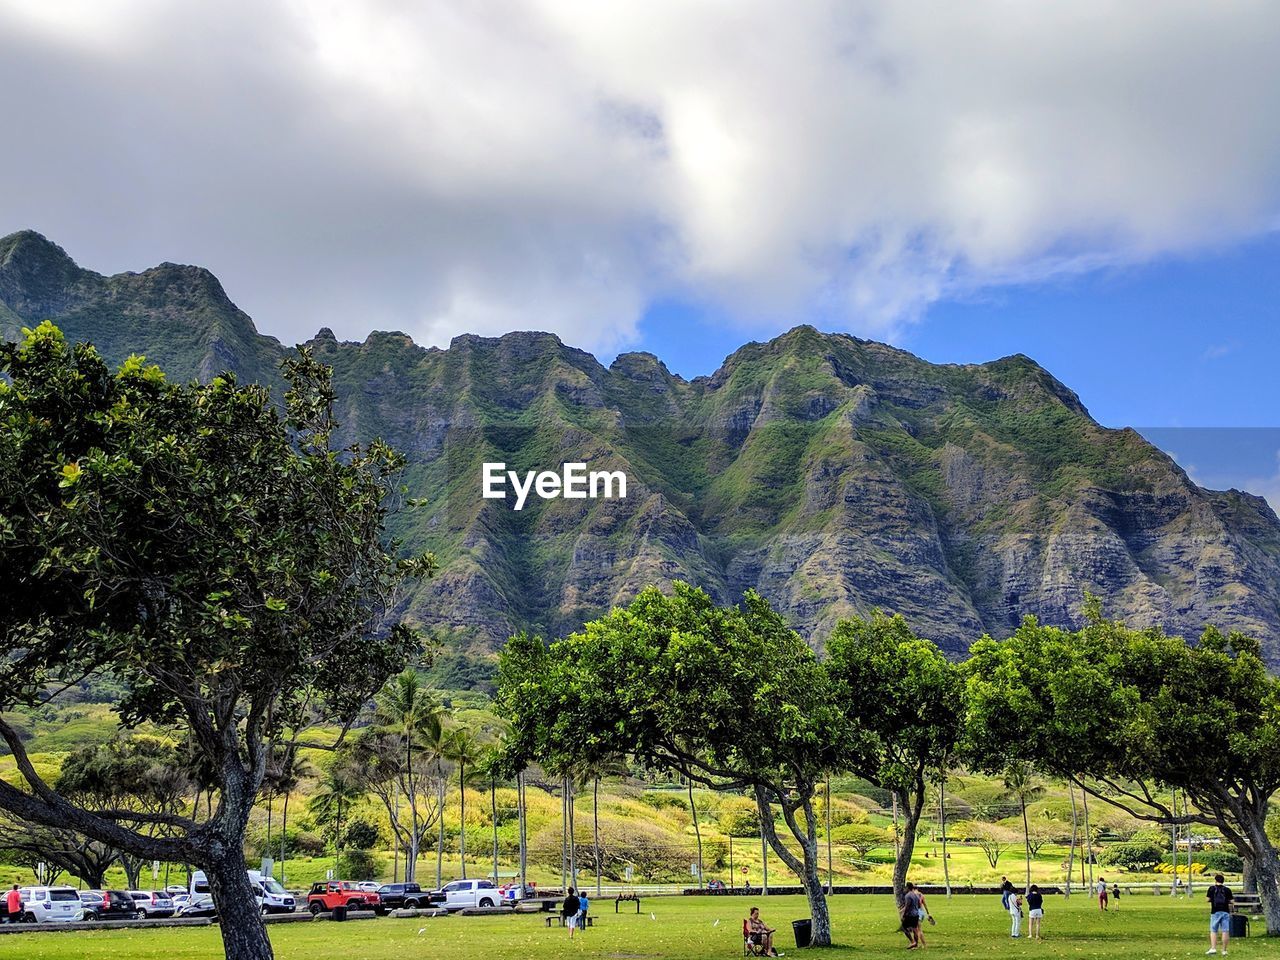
pixel 462 894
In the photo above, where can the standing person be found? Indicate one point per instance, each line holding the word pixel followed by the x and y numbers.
pixel 910 913
pixel 1220 899
pixel 1015 914
pixel 13 901
pixel 569 911
pixel 1035 912
pixel 1006 888
pixel 583 904
pixel 1100 888
pixel 924 915
pixel 1115 893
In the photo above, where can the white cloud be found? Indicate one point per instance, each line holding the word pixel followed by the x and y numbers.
pixel 446 167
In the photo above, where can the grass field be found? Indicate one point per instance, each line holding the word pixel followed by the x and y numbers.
pixel 1145 928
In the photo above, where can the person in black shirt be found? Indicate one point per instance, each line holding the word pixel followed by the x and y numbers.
pixel 1035 912
pixel 569 911
pixel 1220 899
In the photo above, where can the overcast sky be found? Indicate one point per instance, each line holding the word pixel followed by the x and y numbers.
pixel 440 167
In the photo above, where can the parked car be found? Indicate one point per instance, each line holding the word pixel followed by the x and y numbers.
pixel 410 896
pixel 152 903
pixel 326 895
pixel 368 886
pixel 462 894
pixel 51 905
pixel 109 905
pixel 180 901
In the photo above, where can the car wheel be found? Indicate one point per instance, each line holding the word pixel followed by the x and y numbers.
pixel 411 904
pixel 142 915
pixel 315 908
pixel 486 903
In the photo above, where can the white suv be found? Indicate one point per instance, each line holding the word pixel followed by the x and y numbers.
pixel 51 904
pixel 462 894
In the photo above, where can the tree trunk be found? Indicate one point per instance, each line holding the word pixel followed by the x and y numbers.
pixel 827 810
pixel 440 844
pixel 462 816
pixel 942 828
pixel 1261 856
pixel 911 810
pixel 1088 838
pixel 284 836
pixel 573 848
pixel 524 847
pixel 697 830
pixel 807 868
pixel 132 871
pixel 595 831
pixel 1026 841
pixel 564 833
pixel 493 813
pixel 1071 855
pixel 244 936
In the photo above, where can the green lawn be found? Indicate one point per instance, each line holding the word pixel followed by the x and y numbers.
pixel 1146 928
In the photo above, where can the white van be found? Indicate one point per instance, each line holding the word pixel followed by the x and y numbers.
pixel 51 904
pixel 271 897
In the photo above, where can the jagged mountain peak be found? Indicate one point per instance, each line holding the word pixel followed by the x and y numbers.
pixel 831 473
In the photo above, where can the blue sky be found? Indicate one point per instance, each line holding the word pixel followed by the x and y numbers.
pixel 1182 342
pixel 1185 349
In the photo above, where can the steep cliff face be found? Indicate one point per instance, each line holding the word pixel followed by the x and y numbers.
pixel 830 473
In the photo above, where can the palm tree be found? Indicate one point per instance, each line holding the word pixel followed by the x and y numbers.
pixel 338 789
pixel 1019 779
pixel 464 747
pixel 286 774
pixel 412 716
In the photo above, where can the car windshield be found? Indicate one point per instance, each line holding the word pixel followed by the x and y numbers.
pixel 348 885
pixel 64 895
pixel 273 886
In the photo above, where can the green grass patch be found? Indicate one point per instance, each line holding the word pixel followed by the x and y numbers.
pixel 1145 927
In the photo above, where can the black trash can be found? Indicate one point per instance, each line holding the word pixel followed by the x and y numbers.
pixel 804 932
pixel 340 913
pixel 1239 925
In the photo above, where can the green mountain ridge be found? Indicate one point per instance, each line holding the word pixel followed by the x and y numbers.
pixel 832 474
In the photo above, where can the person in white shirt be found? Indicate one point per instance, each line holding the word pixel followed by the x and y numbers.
pixel 1015 914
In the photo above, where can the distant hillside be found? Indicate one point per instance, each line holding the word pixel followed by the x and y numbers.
pixel 832 474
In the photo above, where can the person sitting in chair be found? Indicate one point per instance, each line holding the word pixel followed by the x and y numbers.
pixel 760 935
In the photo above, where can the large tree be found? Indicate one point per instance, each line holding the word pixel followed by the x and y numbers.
pixel 213 552
pixel 1128 714
pixel 729 697
pixel 910 700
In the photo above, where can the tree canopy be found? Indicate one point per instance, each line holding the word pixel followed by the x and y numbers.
pixel 211 551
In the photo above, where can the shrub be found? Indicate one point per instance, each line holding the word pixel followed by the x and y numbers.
pixel 1228 861
pixel 361 834
pixel 358 865
pixel 1132 855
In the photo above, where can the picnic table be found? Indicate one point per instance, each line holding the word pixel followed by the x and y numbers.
pixel 622 898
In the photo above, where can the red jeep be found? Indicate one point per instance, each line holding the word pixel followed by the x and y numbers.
pixel 341 893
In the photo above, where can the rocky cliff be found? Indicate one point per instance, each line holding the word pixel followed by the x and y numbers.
pixel 830 473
